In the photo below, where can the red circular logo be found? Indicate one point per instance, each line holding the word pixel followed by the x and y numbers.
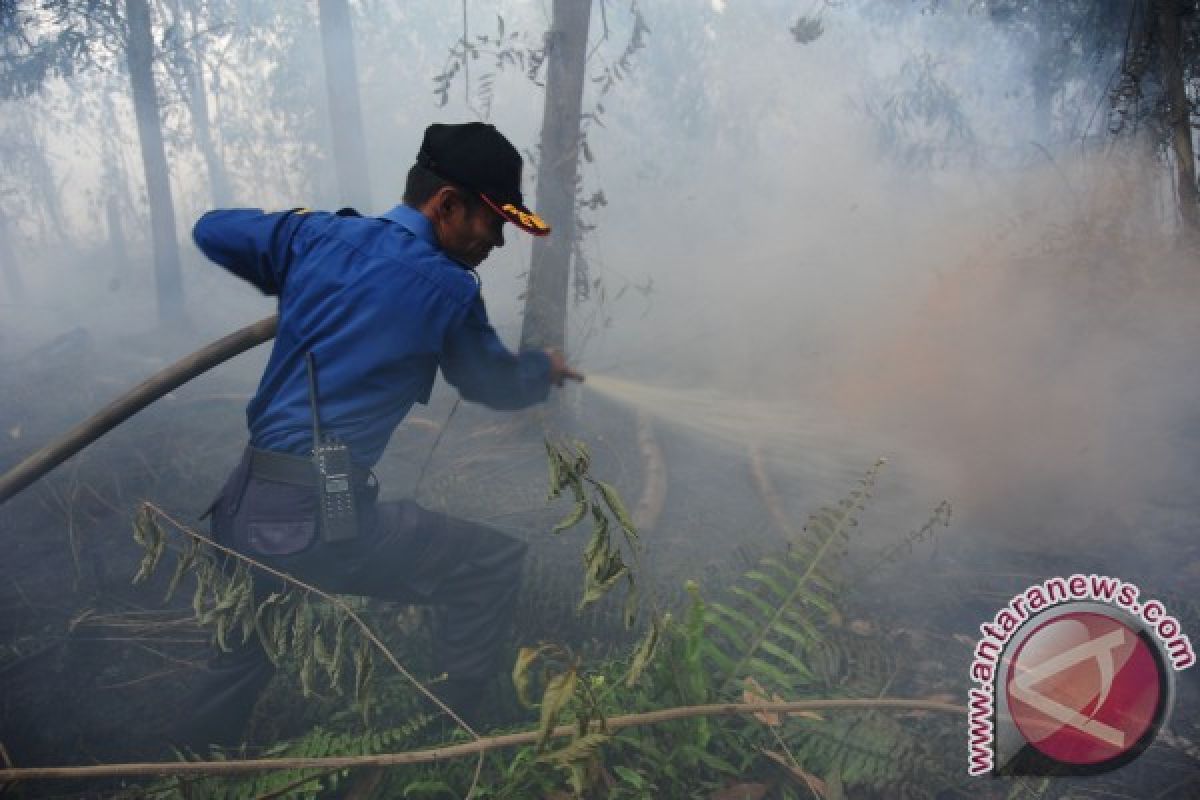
pixel 1084 688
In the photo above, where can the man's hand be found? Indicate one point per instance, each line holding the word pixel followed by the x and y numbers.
pixel 559 371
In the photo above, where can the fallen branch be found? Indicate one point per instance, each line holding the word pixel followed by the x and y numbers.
pixel 333 600
pixel 467 748
pixel 341 606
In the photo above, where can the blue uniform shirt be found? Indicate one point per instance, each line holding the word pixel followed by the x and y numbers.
pixel 381 307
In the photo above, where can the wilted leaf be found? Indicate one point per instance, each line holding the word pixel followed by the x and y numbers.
pixel 302 628
pixel 644 652
pixel 521 672
pixel 631 603
pixel 556 481
pixel 572 519
pixel 862 627
pixel 613 500
pixel 183 563
pixel 558 692
pixel 752 692
pixel 598 544
pixel 148 533
pixel 608 571
pixel 815 784
pixel 339 650
pixel 583 458
pixel 308 672
pixel 577 751
pixel 363 666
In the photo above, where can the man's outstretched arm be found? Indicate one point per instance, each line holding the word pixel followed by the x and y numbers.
pixel 483 370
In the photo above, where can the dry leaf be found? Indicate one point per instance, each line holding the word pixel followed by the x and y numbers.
pixel 754 693
pixel 862 627
pixel 814 783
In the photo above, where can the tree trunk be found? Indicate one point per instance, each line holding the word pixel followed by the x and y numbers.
pixel 218 178
pixel 345 110
pixel 1179 110
pixel 545 320
pixel 196 91
pixel 118 202
pixel 139 54
pixel 117 249
pixel 43 178
pixel 8 262
pixel 1044 83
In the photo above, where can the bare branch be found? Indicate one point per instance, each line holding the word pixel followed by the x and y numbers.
pixel 470 748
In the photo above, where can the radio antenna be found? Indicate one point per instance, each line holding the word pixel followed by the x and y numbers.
pixel 311 361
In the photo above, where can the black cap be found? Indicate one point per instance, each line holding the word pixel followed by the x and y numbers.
pixel 476 156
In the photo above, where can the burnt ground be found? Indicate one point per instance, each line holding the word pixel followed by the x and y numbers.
pixel 92 668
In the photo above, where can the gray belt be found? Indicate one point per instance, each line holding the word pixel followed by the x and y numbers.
pixel 287 468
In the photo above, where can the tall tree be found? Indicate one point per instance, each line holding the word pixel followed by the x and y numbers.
pixel 65 36
pixel 345 110
pixel 139 58
pixel 545 320
pixel 1177 117
pixel 8 262
pixel 185 55
pixel 1158 45
pixel 118 201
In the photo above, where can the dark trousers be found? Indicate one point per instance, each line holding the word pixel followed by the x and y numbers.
pixel 470 573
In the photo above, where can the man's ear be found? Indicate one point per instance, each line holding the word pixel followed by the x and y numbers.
pixel 446 202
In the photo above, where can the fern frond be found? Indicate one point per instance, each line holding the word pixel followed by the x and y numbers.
pixel 771 645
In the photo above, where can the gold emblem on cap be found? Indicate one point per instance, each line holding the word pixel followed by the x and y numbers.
pixel 531 220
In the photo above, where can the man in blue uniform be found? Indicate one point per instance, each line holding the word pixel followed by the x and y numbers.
pixel 377 306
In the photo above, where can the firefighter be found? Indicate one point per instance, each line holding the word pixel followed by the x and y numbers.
pixel 370 308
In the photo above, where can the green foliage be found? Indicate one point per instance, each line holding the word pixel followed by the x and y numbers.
pixel 604 563
pixel 319 742
pixel 768 629
pixel 298 630
pixel 778 635
pixel 775 634
pixel 514 50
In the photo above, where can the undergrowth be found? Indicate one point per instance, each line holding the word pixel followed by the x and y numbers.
pixel 776 633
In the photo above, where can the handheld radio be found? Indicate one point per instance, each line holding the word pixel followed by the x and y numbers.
pixel 335 474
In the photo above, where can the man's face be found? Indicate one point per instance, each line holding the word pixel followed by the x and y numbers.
pixel 469 231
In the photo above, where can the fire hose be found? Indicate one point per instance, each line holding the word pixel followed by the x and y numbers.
pixel 35 466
